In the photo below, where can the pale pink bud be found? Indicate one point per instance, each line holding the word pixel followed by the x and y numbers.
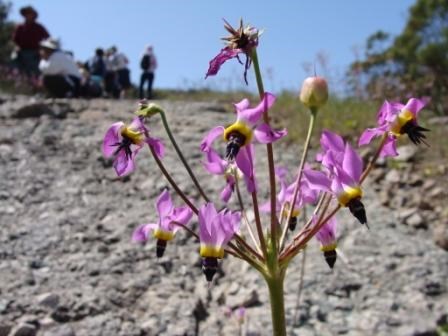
pixel 314 93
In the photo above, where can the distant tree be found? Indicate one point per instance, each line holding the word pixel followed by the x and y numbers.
pixel 413 63
pixel 6 29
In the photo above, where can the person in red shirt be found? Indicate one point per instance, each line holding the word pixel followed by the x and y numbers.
pixel 27 37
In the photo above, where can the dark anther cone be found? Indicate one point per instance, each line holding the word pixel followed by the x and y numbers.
pixel 330 258
pixel 209 267
pixel 415 132
pixel 357 209
pixel 160 248
pixel 292 223
pixel 234 144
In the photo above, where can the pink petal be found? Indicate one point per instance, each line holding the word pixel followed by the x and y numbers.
pixel 122 164
pixel 327 233
pixel 206 216
pixel 389 148
pixel 227 192
pixel 157 146
pixel 242 105
pixel 254 114
pixel 415 105
pixel 352 163
pixel 332 141
pixel 265 134
pixel 210 137
pixel 164 204
pixel 111 138
pixel 141 233
pixel 244 161
pixel 214 165
pixel 370 133
pixel 223 56
pixel 317 180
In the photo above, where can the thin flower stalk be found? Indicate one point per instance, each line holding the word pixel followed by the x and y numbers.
pixel 269 150
pixel 166 126
pixel 243 212
pixel 172 182
pixel 313 113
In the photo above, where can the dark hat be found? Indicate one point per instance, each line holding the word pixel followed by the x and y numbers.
pixel 28 9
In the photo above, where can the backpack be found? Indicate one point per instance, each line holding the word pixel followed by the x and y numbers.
pixel 97 66
pixel 145 62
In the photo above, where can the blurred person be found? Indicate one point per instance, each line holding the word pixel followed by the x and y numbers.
pixel 60 74
pixel 89 87
pixel 26 38
pixel 96 67
pixel 120 63
pixel 111 85
pixel 148 64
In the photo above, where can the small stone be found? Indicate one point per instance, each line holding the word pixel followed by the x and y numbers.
pixel 64 330
pixel 440 235
pixel 406 213
pixel 393 176
pixel 416 221
pixel 25 329
pixel 61 314
pixel 49 300
pixel 5 329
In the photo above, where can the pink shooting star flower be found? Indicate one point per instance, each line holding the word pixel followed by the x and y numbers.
pixel 327 238
pixel 240 41
pixel 248 124
pixel 345 175
pixel 239 136
pixel 244 165
pixel 216 229
pixel 123 142
pixel 214 164
pixel 396 119
pixel 165 229
pixel 307 195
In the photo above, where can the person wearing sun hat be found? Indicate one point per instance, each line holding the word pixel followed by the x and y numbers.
pixel 26 37
pixel 60 74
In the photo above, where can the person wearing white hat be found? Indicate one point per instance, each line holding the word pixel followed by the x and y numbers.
pixel 60 74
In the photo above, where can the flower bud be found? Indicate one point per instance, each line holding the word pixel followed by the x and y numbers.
pixel 314 93
pixel 147 110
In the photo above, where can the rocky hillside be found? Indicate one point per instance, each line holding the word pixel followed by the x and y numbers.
pixel 68 266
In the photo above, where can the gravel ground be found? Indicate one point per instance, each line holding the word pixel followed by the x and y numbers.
pixel 68 266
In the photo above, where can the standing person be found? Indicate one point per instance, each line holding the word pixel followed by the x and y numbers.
pixel 148 64
pixel 111 85
pixel 27 37
pixel 96 67
pixel 60 74
pixel 120 65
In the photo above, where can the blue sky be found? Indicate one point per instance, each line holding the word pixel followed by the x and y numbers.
pixel 185 34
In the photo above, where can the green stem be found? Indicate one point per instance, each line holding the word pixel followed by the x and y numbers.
pixel 276 297
pixel 269 150
pixel 181 157
pixel 299 173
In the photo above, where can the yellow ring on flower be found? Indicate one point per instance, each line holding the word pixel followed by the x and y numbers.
pixel 163 235
pixel 348 194
pixel 136 137
pixel 241 128
pixel 208 251
pixel 402 119
pixel 328 248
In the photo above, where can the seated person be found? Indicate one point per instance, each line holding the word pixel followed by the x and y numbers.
pixel 60 74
